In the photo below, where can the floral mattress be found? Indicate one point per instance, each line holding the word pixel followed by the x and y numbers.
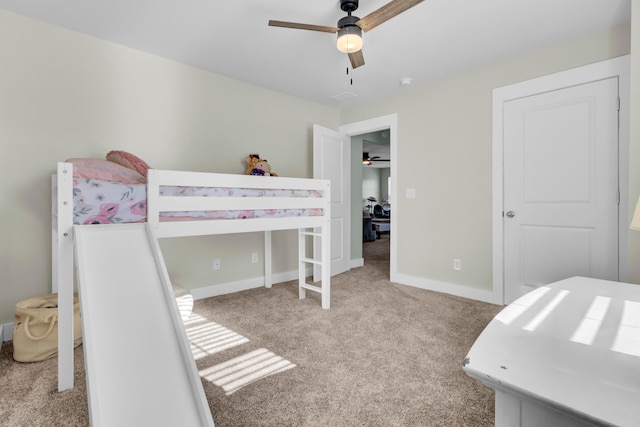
pixel 104 202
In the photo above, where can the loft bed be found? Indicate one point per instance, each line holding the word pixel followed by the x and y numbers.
pixel 177 206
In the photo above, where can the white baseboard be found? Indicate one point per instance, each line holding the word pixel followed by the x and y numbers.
pixel 243 285
pixel 355 263
pixel 444 287
pixel 6 332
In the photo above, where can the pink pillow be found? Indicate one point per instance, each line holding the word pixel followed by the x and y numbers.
pixel 128 160
pixel 105 171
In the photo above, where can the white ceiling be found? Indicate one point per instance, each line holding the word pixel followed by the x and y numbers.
pixel 434 39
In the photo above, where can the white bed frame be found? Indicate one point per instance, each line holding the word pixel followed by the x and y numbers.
pixel 316 227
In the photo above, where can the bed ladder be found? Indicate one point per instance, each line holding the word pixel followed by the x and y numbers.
pixel 320 260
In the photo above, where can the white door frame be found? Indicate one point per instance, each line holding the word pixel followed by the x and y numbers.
pixel 372 125
pixel 617 67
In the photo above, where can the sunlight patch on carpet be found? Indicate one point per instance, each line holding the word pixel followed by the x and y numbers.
pixel 207 337
pixel 240 371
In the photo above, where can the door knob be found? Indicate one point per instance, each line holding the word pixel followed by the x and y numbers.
pixel 511 214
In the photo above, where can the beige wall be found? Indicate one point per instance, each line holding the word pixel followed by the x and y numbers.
pixel 63 94
pixel 444 152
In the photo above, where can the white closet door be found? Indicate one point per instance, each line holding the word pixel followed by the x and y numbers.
pixel 561 186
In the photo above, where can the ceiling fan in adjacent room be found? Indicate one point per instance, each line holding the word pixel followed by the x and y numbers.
pixel 367 160
pixel 350 27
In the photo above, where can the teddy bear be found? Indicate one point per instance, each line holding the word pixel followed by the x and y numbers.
pixel 258 166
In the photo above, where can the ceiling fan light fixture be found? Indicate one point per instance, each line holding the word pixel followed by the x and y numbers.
pixel 349 39
pixel 350 27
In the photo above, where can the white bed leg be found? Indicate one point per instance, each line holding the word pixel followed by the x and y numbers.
pixel 63 270
pixel 326 268
pixel 301 264
pixel 268 281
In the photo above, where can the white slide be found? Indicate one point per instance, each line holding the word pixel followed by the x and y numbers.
pixel 139 366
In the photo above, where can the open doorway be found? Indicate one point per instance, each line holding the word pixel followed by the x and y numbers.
pixel 352 174
pixel 375 198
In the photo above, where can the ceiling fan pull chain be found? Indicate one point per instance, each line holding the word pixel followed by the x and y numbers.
pixel 351 79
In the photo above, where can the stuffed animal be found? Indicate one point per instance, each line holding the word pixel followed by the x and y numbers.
pixel 258 166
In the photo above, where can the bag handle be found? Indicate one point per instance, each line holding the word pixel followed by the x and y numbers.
pixel 52 323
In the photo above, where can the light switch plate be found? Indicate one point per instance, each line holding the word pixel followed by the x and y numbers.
pixel 410 193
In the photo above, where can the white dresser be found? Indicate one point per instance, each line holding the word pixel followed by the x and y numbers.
pixel 565 354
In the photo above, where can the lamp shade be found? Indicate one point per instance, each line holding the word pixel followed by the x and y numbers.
pixel 349 39
pixel 635 222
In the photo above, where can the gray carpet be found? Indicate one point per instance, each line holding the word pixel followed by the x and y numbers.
pixel 383 355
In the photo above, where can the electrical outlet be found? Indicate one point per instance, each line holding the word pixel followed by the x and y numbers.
pixel 457 264
pixel 216 263
pixel 254 257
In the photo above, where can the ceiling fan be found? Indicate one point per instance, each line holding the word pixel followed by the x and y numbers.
pixel 367 160
pixel 350 27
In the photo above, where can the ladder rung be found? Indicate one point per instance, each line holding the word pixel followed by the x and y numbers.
pixel 311 287
pixel 311 233
pixel 311 261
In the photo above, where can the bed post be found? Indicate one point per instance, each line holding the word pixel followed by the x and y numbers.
pixel 268 281
pixel 153 199
pixel 302 280
pixel 326 249
pixel 62 267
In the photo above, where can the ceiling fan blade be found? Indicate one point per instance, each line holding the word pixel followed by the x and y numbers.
pixel 386 12
pixel 357 59
pixel 298 26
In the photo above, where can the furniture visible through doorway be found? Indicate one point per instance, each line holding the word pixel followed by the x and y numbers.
pixel 368 232
pixel 381 226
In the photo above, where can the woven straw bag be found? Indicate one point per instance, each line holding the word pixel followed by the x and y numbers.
pixel 35 328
